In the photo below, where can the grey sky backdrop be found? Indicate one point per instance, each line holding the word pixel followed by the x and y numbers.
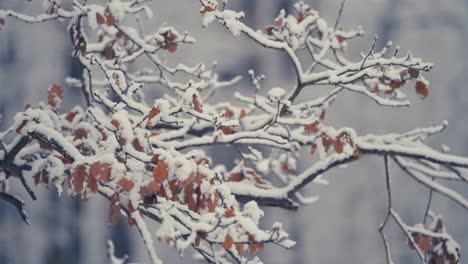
pixel 342 226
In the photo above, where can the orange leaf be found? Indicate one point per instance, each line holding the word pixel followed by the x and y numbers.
pixel 55 95
pixel 421 89
pixel 228 242
pixel 160 172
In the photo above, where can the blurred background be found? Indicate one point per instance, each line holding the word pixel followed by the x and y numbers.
pixel 342 227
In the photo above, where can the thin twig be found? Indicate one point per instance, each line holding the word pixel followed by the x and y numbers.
pixel 370 51
pixel 339 14
pixel 16 202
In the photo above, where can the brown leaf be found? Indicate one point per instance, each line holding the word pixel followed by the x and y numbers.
pixel 100 171
pixel 153 112
pixel 55 95
pixel 421 89
pixel 150 189
pixel 92 184
pixel 137 146
pixel 228 113
pixel 207 9
pixel 126 184
pixel 229 213
pixel 160 172
pixel 240 249
pixel 70 117
pixel 115 123
pixel 110 20
pixel 313 147
pixel 228 242
pixel 312 128
pixel 242 113
pixel 424 243
pixel 80 133
pixel 254 247
pixel 78 177
pixel 114 209
pixel 338 146
pixel 196 104
pixel 100 19
pixel 197 241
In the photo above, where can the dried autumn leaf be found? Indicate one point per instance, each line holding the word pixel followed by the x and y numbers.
pixel 424 243
pixel 228 113
pixel 92 184
pixel 55 95
pixel 196 104
pixel 338 146
pixel 115 123
pixel 100 19
pixel 421 89
pixel 254 247
pixel 340 38
pixel 313 147
pixel 114 209
pixel 137 146
pixel 312 128
pixel 240 249
pixel 80 133
pixel 110 20
pixel 197 241
pixel 228 242
pixel 229 213
pixel 242 113
pixel 207 9
pixel 70 117
pixel 100 171
pixel 153 112
pixel 160 172
pixel 77 178
pixel 126 184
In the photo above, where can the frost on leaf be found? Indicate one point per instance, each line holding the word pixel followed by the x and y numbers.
pixel 55 96
pixel 160 172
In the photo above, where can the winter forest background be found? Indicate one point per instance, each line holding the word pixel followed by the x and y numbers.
pixel 342 226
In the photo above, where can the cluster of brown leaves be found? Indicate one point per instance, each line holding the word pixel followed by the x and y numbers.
pixel 170 41
pixel 436 248
pixel 405 75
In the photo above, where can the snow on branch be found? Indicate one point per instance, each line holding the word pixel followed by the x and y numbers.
pixel 144 154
